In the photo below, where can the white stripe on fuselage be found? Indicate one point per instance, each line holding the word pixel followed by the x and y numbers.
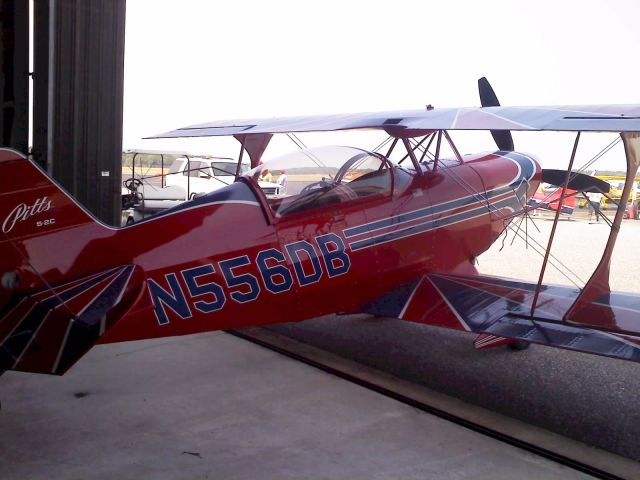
pixel 482 209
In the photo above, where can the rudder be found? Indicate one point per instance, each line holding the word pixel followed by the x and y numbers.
pixel 59 289
pixel 37 219
pixel 30 202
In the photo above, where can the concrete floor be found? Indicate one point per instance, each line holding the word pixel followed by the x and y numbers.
pixel 214 406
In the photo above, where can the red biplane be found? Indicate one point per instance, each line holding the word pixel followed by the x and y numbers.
pixel 355 233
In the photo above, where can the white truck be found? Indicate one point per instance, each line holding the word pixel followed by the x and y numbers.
pixel 188 178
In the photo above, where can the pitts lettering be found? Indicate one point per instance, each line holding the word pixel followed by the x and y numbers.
pixel 23 212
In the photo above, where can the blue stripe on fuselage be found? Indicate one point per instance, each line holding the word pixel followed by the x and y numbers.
pixel 526 172
pixel 424 212
pixel 430 225
pixel 527 166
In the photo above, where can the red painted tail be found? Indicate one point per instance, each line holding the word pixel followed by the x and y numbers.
pixel 61 282
pixel 37 218
pixel 31 203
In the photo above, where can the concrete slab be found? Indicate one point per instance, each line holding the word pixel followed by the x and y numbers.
pixel 214 406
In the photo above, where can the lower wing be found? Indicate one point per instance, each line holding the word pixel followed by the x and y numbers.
pixel 497 308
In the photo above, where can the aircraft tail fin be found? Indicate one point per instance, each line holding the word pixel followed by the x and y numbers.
pixel 37 217
pixel 51 309
pixel 32 204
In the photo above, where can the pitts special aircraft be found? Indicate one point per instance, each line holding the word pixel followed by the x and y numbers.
pixel 355 233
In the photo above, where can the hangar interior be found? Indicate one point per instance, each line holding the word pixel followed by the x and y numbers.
pixel 62 76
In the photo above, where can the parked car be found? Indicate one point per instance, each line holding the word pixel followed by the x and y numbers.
pixel 196 175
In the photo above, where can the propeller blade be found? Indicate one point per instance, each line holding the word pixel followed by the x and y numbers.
pixel 578 181
pixel 488 98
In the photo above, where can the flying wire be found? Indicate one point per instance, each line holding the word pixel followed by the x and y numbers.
pixel 594 159
pixel 536 246
pixel 305 150
pixel 382 144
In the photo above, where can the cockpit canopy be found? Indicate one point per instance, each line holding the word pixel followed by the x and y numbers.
pixel 319 162
pixel 322 176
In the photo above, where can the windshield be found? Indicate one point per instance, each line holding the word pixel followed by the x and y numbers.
pixel 311 164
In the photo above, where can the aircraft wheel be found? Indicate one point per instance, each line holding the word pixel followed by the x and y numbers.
pixel 519 345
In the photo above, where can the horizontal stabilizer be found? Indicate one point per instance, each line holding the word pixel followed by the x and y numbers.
pixel 48 331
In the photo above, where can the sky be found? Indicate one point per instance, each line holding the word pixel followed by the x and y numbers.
pixel 195 61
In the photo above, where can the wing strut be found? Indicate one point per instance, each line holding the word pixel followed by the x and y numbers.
pixel 598 285
pixel 437 157
pixel 255 144
pixel 412 156
pixel 239 165
pixel 555 224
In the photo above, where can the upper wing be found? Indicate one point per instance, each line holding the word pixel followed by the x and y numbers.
pixel 594 118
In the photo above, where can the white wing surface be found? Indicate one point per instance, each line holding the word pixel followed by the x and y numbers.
pixel 588 118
